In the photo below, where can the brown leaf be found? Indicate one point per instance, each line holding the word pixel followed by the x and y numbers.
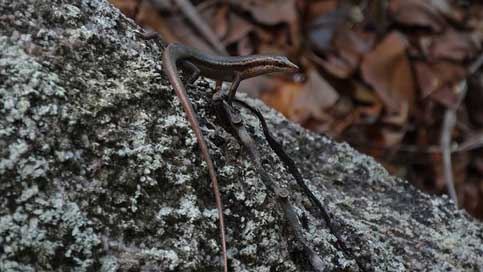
pixel 370 108
pixel 239 28
pixel 446 96
pixel 398 118
pixel 473 141
pixel 478 165
pixel 437 80
pixel 321 30
pixel 354 41
pixel 474 100
pixel 128 7
pixel 258 85
pixel 340 125
pixel 218 19
pixel 149 17
pixel 376 15
pixel 474 17
pixel 450 10
pixel 427 79
pixel 334 64
pixel 317 96
pixel 472 193
pixel 459 163
pixel 387 70
pixel 336 121
pixel 245 47
pixel 344 58
pixel 282 96
pixel 315 9
pixel 417 13
pixel 277 12
pixel 452 45
pixel 274 12
pixel 391 136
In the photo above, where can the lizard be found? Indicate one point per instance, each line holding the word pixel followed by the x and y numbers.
pixel 222 69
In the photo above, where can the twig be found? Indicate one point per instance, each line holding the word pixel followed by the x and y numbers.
pixel 289 163
pixel 448 125
pixel 282 194
pixel 475 65
pixel 473 142
pixel 200 24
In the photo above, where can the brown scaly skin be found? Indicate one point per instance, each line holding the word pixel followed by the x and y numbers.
pixel 219 68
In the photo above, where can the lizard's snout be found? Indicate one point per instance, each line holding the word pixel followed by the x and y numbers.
pixel 286 65
pixel 292 67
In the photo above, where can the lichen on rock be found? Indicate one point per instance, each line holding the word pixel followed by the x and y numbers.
pixel 100 171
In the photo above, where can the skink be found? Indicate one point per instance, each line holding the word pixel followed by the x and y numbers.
pixel 219 68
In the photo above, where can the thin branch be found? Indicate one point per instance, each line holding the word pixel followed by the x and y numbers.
pixel 201 25
pixel 292 168
pixel 473 142
pixel 475 66
pixel 448 126
pixel 282 194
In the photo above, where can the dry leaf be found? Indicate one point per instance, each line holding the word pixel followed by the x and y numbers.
pixel 417 13
pixel 428 80
pixel 371 106
pixel 245 47
pixel 322 29
pixel 391 136
pixel 447 9
pixel 315 9
pixel 438 80
pixel 387 70
pixel 316 97
pixel 239 29
pixel 472 194
pixel 451 45
pixel 149 17
pixel 354 41
pixel 349 46
pixel 218 20
pixel 128 7
pixel 258 85
pixel 398 118
pixel 275 12
pixel 282 97
pixel 334 65
pixel 474 100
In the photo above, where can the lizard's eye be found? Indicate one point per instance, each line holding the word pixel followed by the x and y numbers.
pixel 282 61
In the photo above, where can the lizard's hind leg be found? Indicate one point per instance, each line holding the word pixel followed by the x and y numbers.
pixel 219 94
pixel 234 86
pixel 191 71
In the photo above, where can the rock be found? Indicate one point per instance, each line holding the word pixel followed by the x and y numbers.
pixel 100 170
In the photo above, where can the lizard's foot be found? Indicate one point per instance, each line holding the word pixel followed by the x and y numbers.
pixel 220 94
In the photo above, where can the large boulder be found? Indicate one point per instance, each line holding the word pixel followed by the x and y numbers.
pixel 100 171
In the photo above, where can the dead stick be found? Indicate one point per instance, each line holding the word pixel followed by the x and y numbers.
pixel 200 24
pixel 449 123
pixel 448 126
pixel 282 194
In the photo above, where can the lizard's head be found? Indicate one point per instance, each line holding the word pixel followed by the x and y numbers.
pixel 264 64
pixel 282 64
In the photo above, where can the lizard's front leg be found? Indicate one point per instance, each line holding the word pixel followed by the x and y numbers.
pixel 192 72
pixel 234 86
pixel 219 94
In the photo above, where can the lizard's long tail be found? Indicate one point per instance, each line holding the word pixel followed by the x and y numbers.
pixel 170 57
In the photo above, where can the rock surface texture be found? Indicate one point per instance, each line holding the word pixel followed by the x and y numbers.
pixel 100 170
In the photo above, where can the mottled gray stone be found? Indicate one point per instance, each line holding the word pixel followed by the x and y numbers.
pixel 100 171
